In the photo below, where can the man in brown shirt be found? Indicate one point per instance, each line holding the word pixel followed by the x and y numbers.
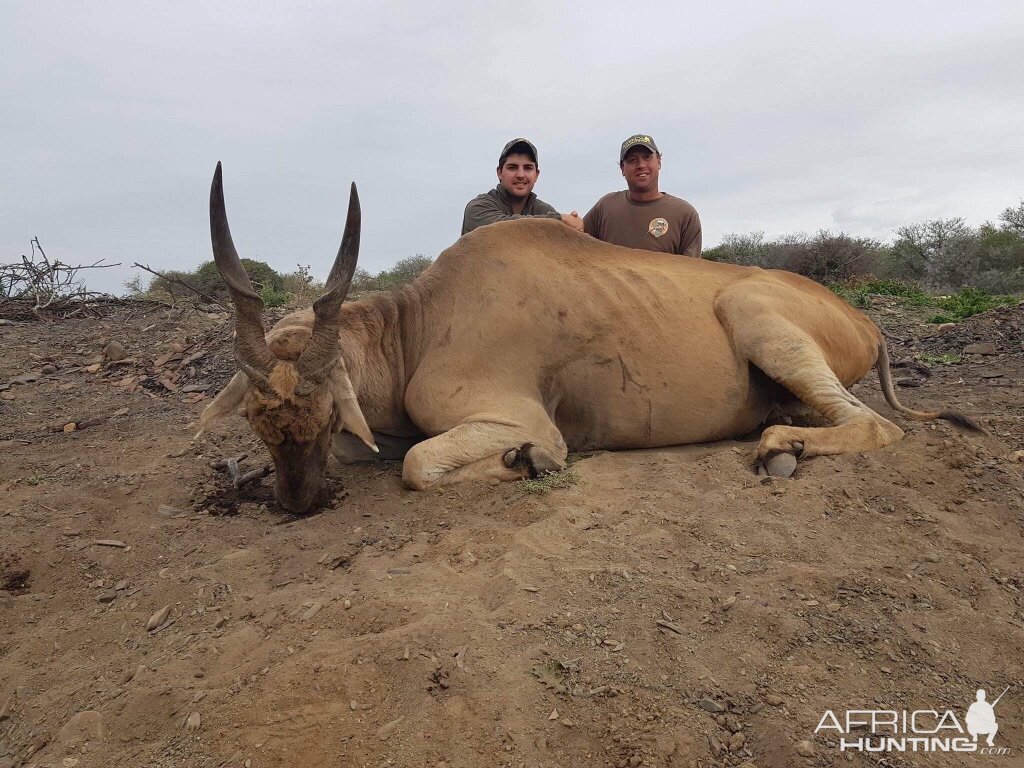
pixel 513 198
pixel 642 216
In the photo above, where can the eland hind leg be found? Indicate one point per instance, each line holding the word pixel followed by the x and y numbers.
pixel 774 327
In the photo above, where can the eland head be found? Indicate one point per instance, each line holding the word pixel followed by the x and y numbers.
pixel 293 384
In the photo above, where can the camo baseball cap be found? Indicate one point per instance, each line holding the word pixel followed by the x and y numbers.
pixel 639 140
pixel 518 145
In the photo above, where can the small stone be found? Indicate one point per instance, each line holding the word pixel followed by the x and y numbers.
pixel 70 427
pixel 158 619
pixel 710 705
pixel 805 748
pixel 943 327
pixel 312 611
pixel 833 607
pixel 737 741
pixel 385 731
pixel 114 352
pixel 347 604
pixel 773 700
pixel 553 715
pixel 194 722
pixel 94 368
pixel 107 597
pixel 635 760
pixel 983 348
pixel 121 586
pixel 116 543
pixel 932 557
pixel 1017 456
pixel 715 745
pixel 728 603
pixel 85 726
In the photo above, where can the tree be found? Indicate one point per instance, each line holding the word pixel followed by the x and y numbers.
pixel 1013 218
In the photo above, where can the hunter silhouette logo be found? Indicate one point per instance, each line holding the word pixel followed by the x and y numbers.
pixel 981 717
pixel 918 730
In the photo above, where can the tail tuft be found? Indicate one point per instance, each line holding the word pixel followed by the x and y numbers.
pixel 964 422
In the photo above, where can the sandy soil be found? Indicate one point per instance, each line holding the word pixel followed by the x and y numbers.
pixel 668 608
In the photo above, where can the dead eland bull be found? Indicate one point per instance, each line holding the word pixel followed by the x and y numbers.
pixel 526 338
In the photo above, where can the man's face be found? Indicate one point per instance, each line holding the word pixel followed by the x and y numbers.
pixel 640 168
pixel 518 174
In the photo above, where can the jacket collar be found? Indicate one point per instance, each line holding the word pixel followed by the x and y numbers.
pixel 506 198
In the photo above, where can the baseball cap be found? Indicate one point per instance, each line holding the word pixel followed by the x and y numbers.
pixel 639 140
pixel 518 145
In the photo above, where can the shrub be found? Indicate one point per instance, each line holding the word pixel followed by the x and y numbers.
pixel 405 271
pixel 967 303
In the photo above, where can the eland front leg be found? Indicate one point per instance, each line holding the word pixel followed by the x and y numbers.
pixel 486 448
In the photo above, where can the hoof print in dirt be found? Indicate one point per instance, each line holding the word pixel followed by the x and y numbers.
pixel 13 578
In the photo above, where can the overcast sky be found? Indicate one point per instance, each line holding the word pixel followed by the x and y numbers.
pixel 780 117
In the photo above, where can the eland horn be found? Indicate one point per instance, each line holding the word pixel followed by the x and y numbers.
pixel 320 355
pixel 251 350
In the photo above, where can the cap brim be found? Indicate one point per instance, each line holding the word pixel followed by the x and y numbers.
pixel 644 144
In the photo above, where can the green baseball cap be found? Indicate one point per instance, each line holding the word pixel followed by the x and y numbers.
pixel 518 145
pixel 639 140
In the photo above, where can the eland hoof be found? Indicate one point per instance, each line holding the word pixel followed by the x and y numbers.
pixel 779 465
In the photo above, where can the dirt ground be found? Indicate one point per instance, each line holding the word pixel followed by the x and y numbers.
pixel 667 608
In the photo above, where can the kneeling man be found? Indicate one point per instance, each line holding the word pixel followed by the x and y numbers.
pixel 513 198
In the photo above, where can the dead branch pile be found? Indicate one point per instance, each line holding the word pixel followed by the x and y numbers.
pixel 48 285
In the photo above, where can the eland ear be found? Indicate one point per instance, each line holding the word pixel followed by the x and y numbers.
pixel 352 419
pixel 225 403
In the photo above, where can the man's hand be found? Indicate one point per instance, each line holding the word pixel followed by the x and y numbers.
pixel 573 220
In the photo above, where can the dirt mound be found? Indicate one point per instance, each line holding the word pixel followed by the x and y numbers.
pixel 668 608
pixel 1002 327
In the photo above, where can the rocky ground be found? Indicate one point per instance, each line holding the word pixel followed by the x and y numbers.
pixel 665 608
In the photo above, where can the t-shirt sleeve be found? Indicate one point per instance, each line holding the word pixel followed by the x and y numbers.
pixel 593 220
pixel 691 237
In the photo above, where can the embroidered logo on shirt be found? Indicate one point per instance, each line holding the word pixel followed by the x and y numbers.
pixel 657 227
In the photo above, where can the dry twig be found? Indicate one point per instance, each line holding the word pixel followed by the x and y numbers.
pixel 178 281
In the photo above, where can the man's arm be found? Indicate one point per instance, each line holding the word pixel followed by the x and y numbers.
pixel 691 237
pixel 592 221
pixel 573 219
pixel 485 210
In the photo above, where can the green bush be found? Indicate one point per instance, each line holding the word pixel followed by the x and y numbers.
pixel 405 271
pixel 942 255
pixel 967 303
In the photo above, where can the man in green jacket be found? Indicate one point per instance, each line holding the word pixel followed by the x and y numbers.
pixel 513 198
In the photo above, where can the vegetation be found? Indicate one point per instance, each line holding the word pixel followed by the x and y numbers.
pixel 939 256
pixel 947 358
pixel 405 271
pixel 564 479
pixel 298 287
pixel 956 306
